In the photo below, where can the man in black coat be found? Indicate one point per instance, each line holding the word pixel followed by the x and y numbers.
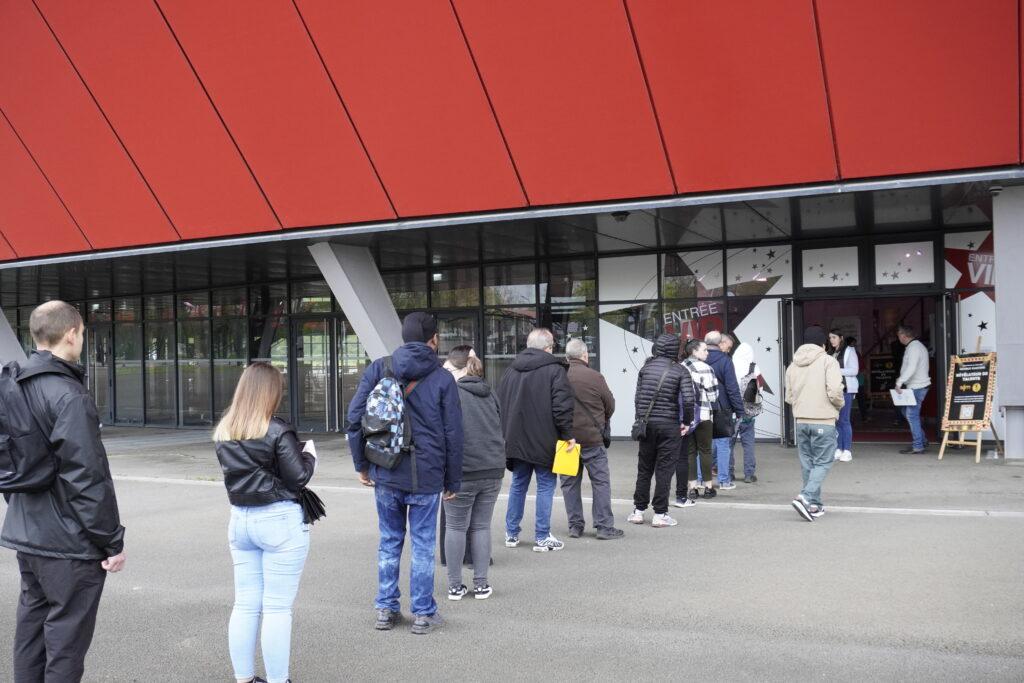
pixel 69 536
pixel 536 411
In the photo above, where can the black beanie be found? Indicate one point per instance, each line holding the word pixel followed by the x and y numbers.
pixel 418 327
pixel 814 335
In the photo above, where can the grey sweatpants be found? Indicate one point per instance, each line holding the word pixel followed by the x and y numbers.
pixel 469 513
pixel 595 460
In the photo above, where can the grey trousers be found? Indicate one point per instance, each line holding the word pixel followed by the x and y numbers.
pixel 816 446
pixel 595 460
pixel 469 514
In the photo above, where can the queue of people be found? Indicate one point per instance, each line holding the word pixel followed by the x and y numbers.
pixel 422 435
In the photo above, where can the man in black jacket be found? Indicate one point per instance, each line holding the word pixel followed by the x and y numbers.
pixel 536 411
pixel 665 399
pixel 69 536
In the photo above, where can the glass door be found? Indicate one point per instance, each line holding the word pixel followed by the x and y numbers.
pixel 311 381
pixel 352 361
pixel 99 368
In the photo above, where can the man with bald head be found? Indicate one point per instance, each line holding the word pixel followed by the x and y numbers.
pixel 536 411
pixel 69 536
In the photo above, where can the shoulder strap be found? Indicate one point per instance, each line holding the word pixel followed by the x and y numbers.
pixel 388 372
pixel 589 414
pixel 650 406
pixel 750 371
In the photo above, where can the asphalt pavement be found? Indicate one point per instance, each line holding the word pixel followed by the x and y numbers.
pixel 915 573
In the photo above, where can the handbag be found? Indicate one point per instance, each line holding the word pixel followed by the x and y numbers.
pixel 312 507
pixel 567 460
pixel 639 431
pixel 722 425
pixel 606 430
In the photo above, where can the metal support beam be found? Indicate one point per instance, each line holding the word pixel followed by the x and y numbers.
pixel 1008 227
pixel 353 277
pixel 10 347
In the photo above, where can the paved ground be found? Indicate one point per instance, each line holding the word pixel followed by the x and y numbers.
pixel 914 574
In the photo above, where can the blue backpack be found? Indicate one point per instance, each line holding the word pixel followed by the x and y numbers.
pixel 386 424
pixel 26 462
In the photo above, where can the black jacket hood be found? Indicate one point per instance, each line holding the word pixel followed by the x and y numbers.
pixel 44 362
pixel 476 386
pixel 667 345
pixel 532 359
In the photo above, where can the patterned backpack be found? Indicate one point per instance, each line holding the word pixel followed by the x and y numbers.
pixel 751 388
pixel 386 424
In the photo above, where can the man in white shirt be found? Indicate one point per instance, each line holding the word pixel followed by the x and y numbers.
pixel 913 377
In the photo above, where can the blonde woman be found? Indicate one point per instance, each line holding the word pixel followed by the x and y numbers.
pixel 264 470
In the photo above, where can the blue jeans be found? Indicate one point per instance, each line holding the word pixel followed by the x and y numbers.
pixel 269 544
pixel 913 417
pixel 522 472
pixel 394 507
pixel 816 445
pixel 844 430
pixel 723 453
pixel 745 435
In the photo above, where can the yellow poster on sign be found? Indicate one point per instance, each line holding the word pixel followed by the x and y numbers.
pixel 567 460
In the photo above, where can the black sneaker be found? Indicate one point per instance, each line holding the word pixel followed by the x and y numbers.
pixel 457 592
pixel 482 592
pixel 750 479
pixel 694 495
pixel 610 534
pixel 575 531
pixel 427 623
pixel 910 450
pixel 710 492
pixel 387 619
pixel 683 502
pixel 803 508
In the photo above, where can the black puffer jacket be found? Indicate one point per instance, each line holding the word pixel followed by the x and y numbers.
pixel 675 400
pixel 264 471
pixel 536 407
pixel 77 519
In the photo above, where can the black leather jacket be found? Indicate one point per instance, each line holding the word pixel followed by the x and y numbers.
pixel 264 471
pixel 77 518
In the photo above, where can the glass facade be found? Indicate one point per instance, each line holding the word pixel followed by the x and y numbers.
pixel 168 338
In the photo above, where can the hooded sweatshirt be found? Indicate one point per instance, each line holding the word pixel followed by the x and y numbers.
pixel 536 407
pixel 814 385
pixel 483 448
pixel 436 418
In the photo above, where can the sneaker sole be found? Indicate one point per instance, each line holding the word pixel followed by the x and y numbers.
pixel 482 596
pixel 635 521
pixel 544 549
pixel 422 631
pixel 511 545
pixel 456 597
pixel 664 526
pixel 804 512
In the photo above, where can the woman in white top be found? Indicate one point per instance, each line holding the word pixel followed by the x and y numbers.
pixel 849 367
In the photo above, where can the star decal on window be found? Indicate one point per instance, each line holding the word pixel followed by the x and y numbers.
pixel 983 325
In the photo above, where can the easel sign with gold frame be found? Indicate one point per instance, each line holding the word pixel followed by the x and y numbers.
pixel 970 389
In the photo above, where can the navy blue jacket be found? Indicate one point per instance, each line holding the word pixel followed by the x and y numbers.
pixel 728 387
pixel 436 416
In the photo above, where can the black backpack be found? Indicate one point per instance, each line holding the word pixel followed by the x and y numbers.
pixel 26 462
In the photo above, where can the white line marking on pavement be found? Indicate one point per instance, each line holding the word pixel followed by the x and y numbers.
pixel 1006 514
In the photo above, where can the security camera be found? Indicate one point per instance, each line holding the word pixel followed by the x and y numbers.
pixel 620 216
pixel 995 189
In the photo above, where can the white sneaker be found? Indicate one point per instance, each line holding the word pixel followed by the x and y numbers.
pixel 663 520
pixel 839 454
pixel 637 517
pixel 846 456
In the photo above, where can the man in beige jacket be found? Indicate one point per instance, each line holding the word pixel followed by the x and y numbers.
pixel 814 388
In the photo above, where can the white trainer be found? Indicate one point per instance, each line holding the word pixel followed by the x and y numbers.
pixel 662 521
pixel 845 456
pixel 637 517
pixel 839 454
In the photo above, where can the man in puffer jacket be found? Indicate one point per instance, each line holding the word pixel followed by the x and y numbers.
pixel 814 388
pixel 664 392
pixel 536 411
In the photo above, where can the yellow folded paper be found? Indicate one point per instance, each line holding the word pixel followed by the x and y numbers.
pixel 567 460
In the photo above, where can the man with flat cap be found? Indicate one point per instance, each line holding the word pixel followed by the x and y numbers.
pixel 407 495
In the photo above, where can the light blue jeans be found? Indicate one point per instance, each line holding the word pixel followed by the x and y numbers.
pixel 913 415
pixel 522 472
pixel 269 544
pixel 723 454
pixel 816 444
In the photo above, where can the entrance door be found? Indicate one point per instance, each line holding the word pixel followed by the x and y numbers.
pixel 99 355
pixel 352 361
pixel 311 381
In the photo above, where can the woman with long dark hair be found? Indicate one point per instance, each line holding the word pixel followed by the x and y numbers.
pixel 265 469
pixel 849 367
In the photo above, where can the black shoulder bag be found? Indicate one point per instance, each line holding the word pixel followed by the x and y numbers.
pixel 639 432
pixel 605 430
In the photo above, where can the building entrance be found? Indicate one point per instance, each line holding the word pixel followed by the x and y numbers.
pixel 870 324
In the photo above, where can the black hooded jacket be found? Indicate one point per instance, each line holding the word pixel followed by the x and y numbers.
pixel 676 398
pixel 77 518
pixel 536 407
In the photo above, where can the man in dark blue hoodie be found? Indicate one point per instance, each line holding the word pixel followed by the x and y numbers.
pixel 408 494
pixel 729 398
